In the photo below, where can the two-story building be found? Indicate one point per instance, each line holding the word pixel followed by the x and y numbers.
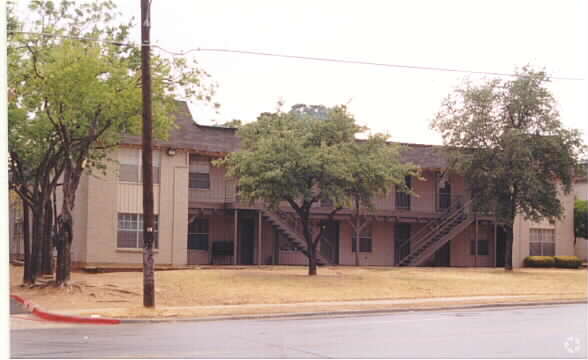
pixel 200 219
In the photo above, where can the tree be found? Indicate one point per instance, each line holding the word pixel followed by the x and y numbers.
pixel 374 166
pixel 581 219
pixel 304 156
pixel 76 98
pixel 506 138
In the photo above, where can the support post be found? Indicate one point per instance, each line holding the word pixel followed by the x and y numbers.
pixel 148 217
pixel 236 235
pixel 259 230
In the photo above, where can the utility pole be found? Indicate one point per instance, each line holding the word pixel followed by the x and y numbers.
pixel 148 223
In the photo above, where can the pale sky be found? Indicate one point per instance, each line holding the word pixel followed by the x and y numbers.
pixel 491 36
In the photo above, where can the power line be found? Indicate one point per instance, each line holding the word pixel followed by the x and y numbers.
pixel 304 58
pixel 355 62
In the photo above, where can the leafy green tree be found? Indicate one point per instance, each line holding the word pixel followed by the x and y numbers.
pixel 506 138
pixel 73 98
pixel 374 167
pixel 307 155
pixel 581 219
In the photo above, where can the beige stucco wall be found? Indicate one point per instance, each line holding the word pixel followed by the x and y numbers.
pixel 382 245
pixel 564 231
pixel 581 193
pixel 105 199
pixel 460 252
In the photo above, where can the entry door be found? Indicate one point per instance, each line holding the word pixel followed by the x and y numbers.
pixel 500 246
pixel 246 240
pixel 401 243
pixel 445 196
pixel 443 255
pixel 329 246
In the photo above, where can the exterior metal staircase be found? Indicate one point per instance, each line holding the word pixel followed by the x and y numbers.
pixel 287 226
pixel 425 242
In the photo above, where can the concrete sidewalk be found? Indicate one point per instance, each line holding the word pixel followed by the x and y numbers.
pixel 366 303
pixel 248 311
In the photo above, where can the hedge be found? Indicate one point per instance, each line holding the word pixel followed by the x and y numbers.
pixel 539 261
pixel 572 262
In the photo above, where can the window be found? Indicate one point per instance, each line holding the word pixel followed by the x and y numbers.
pixel 402 198
pixel 198 234
pixel 542 242
pixel 482 247
pixel 199 172
pixel 326 203
pixel 365 240
pixel 199 181
pixel 130 231
pixel 130 162
pixel 401 241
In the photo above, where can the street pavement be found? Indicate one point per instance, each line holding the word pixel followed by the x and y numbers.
pixel 554 331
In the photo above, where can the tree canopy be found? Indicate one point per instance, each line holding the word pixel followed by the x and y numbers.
pixel 506 138
pixel 309 154
pixel 75 90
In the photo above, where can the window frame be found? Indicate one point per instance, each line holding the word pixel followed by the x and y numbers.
pixel 365 240
pixel 138 165
pixel 137 229
pixel 402 200
pixel 541 240
pixel 197 233
pixel 198 165
pixel 198 188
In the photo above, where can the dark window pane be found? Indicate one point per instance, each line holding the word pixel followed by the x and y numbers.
pixel 482 247
pixel 548 249
pixel 326 203
pixel 198 241
pixel 126 239
pixel 198 226
pixel 535 249
pixel 365 244
pixel 199 181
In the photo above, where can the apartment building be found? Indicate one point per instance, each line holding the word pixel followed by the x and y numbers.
pixel 200 219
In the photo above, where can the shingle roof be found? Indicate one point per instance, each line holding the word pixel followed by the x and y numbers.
pixel 189 135
pixel 426 156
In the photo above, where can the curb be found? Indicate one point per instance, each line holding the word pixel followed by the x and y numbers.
pixel 37 311
pixel 345 313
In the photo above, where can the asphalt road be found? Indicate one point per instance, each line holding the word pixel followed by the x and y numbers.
pixel 539 332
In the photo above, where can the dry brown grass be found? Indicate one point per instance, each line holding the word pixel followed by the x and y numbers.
pixel 283 285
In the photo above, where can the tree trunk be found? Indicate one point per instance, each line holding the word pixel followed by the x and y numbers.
pixel 46 247
pixel 356 241
pixel 63 244
pixel 26 232
pixel 508 247
pixel 37 242
pixel 312 263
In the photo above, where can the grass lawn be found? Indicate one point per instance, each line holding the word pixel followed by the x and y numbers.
pixel 289 284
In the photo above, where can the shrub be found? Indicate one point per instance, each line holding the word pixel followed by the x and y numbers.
pixel 572 262
pixel 539 261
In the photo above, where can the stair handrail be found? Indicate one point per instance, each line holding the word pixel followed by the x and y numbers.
pixel 293 225
pixel 434 230
pixel 427 253
pixel 430 226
